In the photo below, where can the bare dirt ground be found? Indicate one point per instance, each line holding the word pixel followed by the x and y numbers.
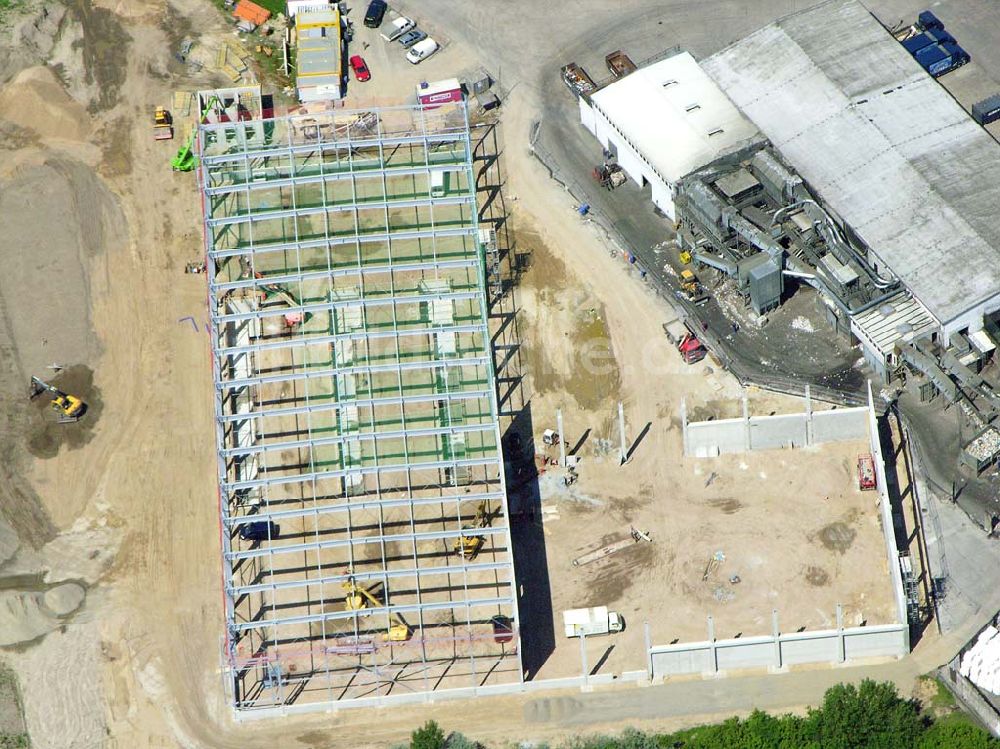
pixel 124 504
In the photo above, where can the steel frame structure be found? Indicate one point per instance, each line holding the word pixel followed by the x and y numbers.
pixel 356 410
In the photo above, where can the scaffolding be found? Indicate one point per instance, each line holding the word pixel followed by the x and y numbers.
pixel 357 421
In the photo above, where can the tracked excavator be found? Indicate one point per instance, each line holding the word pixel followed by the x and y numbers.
pixel 68 407
pixel 358 597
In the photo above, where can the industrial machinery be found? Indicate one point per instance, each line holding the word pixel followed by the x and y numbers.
pixel 358 597
pixel 163 125
pixel 469 546
pixel 691 287
pixel 69 407
pixel 185 159
pixel 609 176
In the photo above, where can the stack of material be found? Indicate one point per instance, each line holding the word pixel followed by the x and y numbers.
pixel 981 663
pixel 231 60
pixel 182 104
pixel 251 13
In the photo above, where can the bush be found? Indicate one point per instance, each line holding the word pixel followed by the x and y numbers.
pixel 429 737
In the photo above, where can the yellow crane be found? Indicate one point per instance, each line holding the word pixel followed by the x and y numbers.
pixel 469 546
pixel 358 597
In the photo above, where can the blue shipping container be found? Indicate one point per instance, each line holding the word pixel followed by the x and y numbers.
pixel 931 54
pixel 916 43
pixel 927 20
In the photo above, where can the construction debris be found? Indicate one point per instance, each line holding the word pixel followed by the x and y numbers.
pixel 713 564
pixel 634 537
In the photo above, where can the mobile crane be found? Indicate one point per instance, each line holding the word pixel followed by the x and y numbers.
pixel 358 597
pixel 185 159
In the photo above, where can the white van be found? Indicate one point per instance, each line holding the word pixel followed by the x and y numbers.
pixel 422 50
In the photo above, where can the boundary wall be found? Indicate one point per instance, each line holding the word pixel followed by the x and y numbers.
pixel 709 439
pixel 777 651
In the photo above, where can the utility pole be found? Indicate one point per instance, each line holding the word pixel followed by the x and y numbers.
pixel 621 431
pixel 561 437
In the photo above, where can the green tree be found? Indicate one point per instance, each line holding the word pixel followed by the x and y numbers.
pixel 429 737
pixel 956 732
pixel 870 716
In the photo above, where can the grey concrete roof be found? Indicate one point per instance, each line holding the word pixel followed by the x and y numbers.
pixel 882 142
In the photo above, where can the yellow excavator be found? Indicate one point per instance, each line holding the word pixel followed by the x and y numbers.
pixel 69 407
pixel 469 546
pixel 358 597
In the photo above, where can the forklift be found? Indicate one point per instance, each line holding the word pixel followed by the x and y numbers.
pixel 68 407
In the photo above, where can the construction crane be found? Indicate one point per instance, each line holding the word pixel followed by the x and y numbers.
pixel 358 597
pixel 469 546
pixel 185 159
pixel 69 407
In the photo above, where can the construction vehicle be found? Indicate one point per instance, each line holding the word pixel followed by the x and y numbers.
pixel 691 288
pixel 866 473
pixel 593 621
pixel 550 437
pixel 609 176
pixel 185 159
pixel 691 349
pixel 577 80
pixel 469 546
pixel 358 597
pixel 685 257
pixel 69 407
pixel 163 125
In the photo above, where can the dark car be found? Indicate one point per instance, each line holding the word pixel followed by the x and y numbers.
pixel 361 71
pixel 412 37
pixel 375 13
pixel 259 531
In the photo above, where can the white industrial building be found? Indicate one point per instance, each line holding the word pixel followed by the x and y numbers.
pixel 663 122
pixel 886 147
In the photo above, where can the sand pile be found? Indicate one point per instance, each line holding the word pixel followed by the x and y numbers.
pixel 26 615
pixel 35 99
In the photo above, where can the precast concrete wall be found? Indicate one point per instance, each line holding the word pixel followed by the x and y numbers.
pixel 775 432
pixel 839 425
pixel 707 439
pixel 775 652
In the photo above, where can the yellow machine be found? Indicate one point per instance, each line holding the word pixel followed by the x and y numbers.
pixel 69 407
pixel 692 287
pixel 358 597
pixel 468 547
pixel 163 127
pixel 685 257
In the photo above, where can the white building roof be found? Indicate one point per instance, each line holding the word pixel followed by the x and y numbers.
pixel 899 319
pixel 884 145
pixel 675 116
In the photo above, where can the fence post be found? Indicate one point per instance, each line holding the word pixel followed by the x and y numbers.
pixel 713 650
pixel 776 633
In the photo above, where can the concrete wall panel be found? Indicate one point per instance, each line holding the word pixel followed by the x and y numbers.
pixel 710 438
pixel 840 425
pixel 774 432
pixel 751 652
pixel 695 659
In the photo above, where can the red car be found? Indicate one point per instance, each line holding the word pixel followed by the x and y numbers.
pixel 360 69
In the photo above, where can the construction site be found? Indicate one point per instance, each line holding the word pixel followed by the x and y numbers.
pixel 365 532
pixel 360 391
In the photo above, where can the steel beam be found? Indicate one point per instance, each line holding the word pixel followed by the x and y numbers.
pixel 381 611
pixel 361 470
pixel 303 340
pixel 413 366
pixel 341 272
pixel 232 521
pixel 381 301
pixel 260 447
pixel 312 179
pixel 455 395
pixel 336 241
pixel 415 537
pixel 266 215
pixel 383 575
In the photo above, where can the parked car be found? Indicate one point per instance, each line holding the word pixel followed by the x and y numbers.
pixel 422 50
pixel 361 71
pixel 375 13
pixel 397 28
pixel 412 37
pixel 259 531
